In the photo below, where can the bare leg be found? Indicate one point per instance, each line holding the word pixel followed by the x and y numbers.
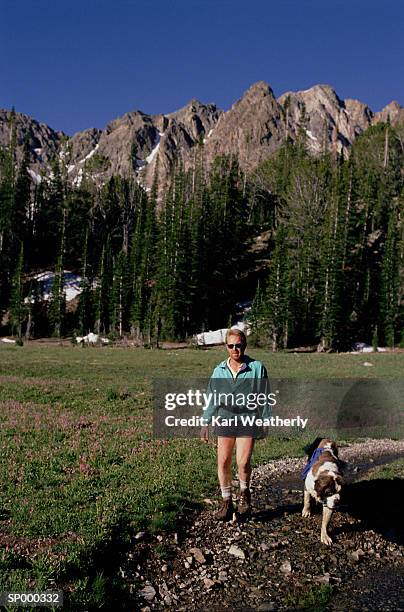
pixel 306 505
pixel 224 453
pixel 325 538
pixel 244 449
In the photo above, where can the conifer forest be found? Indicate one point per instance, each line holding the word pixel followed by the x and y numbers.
pixel 315 243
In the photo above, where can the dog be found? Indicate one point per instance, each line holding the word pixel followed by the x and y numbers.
pixel 323 481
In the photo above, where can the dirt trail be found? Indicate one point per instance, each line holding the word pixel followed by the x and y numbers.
pixel 276 561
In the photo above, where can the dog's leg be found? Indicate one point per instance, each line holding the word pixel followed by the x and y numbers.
pixel 325 538
pixel 306 506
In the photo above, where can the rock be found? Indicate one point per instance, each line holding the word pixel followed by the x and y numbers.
pixel 208 583
pixel 198 555
pixel 393 112
pixel 322 579
pixel 286 567
pixel 140 535
pixel 163 589
pixel 222 576
pixel 148 592
pixel 266 606
pixel 236 552
pixel 167 600
pixel 164 568
pixel 356 554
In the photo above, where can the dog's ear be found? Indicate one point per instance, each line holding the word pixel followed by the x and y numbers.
pixel 324 486
pixel 334 448
pixel 339 480
pixel 310 448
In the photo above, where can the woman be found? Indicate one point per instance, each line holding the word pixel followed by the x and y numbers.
pixel 237 368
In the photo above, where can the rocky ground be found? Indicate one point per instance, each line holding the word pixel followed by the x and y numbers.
pixel 275 561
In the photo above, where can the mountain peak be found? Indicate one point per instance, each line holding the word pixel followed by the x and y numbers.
pixel 252 129
pixel 393 112
pixel 260 88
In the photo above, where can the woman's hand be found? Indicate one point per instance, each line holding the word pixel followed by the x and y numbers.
pixel 204 435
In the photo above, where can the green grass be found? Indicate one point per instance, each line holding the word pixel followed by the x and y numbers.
pixel 393 470
pixel 80 470
pixel 310 599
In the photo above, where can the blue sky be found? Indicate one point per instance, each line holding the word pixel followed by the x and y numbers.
pixel 80 64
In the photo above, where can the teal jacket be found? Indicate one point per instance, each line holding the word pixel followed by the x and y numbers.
pixel 252 378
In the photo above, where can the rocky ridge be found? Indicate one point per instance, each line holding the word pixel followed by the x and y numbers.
pixel 141 145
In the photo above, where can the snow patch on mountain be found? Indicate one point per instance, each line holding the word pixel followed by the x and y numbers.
pixel 209 134
pixel 71 284
pixel 89 155
pixel 310 135
pixel 78 179
pixel 142 163
pixel 154 152
pixel 37 179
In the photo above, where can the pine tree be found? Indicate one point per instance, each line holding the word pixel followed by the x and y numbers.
pixel 103 291
pixel 17 307
pixel 57 301
pixel 331 257
pixel 389 294
pixel 306 204
pixel 277 294
pixel 142 263
pixel 85 299
pixel 119 292
pixel 8 253
pixel 256 320
pixel 22 198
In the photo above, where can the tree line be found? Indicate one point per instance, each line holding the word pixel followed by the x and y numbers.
pixel 315 242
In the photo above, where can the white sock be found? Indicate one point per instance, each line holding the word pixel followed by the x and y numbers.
pixel 243 484
pixel 226 492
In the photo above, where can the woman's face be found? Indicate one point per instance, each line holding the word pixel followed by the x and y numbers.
pixel 235 347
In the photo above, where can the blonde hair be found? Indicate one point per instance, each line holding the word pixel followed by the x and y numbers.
pixel 234 331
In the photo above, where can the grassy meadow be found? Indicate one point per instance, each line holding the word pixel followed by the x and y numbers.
pixel 80 471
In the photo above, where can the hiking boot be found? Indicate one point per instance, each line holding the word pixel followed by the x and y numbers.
pixel 244 502
pixel 225 512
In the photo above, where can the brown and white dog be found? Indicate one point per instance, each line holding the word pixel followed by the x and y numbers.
pixel 323 481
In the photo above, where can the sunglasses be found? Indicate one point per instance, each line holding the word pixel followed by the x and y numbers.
pixel 239 345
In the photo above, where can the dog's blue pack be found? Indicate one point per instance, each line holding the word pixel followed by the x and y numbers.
pixel 310 462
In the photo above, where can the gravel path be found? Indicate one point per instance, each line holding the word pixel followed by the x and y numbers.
pixel 275 561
